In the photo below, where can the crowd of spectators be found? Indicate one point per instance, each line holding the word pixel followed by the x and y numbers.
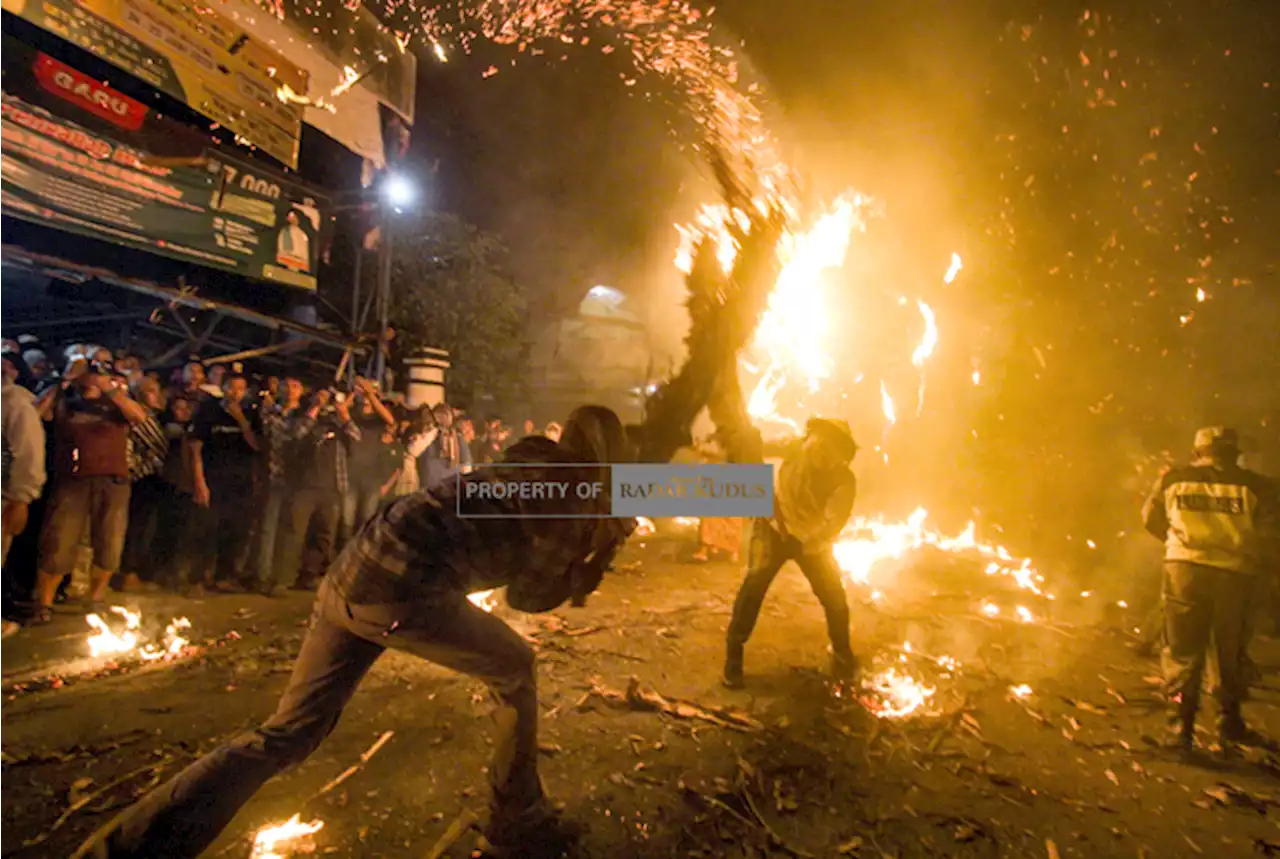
pixel 199 478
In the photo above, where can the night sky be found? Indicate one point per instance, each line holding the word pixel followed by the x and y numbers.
pixel 1095 165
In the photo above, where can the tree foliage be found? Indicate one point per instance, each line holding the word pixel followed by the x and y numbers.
pixel 451 289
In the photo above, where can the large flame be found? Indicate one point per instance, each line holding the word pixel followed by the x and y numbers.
pixel 868 541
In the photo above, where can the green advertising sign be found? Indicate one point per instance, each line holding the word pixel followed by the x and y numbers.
pixel 215 211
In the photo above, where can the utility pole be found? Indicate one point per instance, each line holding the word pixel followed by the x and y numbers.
pixel 357 323
pixel 385 250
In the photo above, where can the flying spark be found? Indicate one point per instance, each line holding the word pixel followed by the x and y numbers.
pixel 953 269
pixel 930 340
pixel 886 406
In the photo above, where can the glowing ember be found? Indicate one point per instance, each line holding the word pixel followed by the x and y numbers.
pixel 687 521
pixel 954 269
pixel 349 78
pixel 645 527
pixel 1122 604
pixel 174 641
pixel 272 842
pixel 484 600
pixel 893 695
pixel 1024 614
pixel 990 609
pixel 438 50
pixel 1022 690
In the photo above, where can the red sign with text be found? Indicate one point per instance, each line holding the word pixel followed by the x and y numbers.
pixel 97 98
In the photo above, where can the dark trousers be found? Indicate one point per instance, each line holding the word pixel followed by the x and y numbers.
pixel 218 536
pixel 1205 606
pixel 768 551
pixel 181 818
pixel 22 559
pixel 148 543
pixel 1151 635
pixel 314 510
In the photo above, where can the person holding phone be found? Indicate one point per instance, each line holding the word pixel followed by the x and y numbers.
pixel 91 414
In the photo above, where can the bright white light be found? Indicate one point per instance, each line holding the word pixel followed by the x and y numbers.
pixel 606 293
pixel 398 190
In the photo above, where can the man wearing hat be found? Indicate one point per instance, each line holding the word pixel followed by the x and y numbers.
pixel 1215 519
pixel 814 491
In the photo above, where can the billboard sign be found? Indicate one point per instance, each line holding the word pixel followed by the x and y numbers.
pixel 191 53
pixel 214 210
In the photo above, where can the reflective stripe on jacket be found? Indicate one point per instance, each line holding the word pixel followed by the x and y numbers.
pixel 1212 514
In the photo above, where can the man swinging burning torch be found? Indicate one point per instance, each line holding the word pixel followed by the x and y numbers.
pixel 814 492
pixel 402 583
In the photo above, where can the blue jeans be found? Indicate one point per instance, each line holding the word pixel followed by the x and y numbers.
pixel 359 503
pixel 268 528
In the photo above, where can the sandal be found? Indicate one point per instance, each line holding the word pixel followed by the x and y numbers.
pixel 42 615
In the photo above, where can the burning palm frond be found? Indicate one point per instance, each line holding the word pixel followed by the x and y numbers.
pixel 724 310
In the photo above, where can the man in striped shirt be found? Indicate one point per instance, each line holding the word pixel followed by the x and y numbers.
pixel 1216 520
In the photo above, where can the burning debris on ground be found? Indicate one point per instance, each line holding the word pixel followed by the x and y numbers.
pixel 1013 374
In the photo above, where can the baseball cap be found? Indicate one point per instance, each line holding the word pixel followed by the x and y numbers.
pixel 1217 436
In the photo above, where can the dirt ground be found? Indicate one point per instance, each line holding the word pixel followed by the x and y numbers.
pixel 1072 769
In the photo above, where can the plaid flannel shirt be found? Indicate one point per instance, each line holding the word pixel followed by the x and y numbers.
pixel 306 427
pixel 284 430
pixel 419 549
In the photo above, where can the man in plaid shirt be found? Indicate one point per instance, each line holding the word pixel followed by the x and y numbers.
pixel 402 583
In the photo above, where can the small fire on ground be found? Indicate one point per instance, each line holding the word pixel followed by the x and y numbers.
pixel 279 840
pixel 895 694
pixel 128 640
pixel 484 599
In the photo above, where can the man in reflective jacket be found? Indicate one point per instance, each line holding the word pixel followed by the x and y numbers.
pixel 1214 518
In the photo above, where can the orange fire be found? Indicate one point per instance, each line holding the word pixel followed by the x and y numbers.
pixel 277 841
pixel 484 599
pixel 867 542
pixel 106 641
pixel 893 694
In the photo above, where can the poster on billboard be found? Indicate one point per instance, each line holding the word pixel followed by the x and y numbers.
pixel 215 210
pixel 190 53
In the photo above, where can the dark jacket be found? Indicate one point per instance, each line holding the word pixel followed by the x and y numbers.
pixel 447 542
